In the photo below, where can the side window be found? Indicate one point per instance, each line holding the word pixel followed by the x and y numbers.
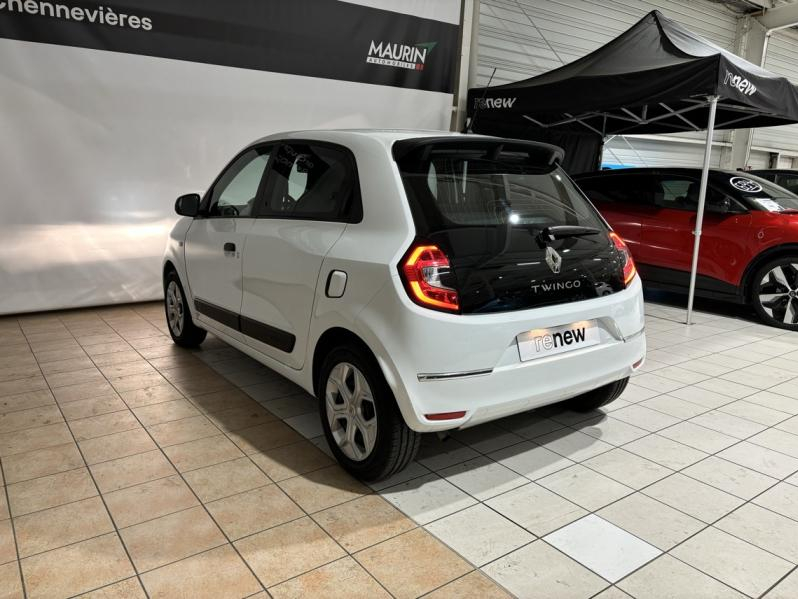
pixel 681 193
pixel 237 189
pixel 789 182
pixel 309 181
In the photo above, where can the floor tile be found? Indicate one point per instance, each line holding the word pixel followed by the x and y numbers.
pixel 50 491
pixel 487 437
pixel 698 437
pixel 645 418
pixel 149 500
pixel 221 480
pixel 786 589
pixel 782 499
pixel 693 497
pixel 483 478
pixel 363 522
pixel 116 445
pixel 10 581
pixel 611 430
pixel 628 468
pixel 30 418
pixel 166 411
pixel 63 525
pixel 280 553
pixel 761 459
pixel 264 437
pixel 102 425
pixel 437 455
pixel 585 487
pixel 340 579
pixel 252 511
pixel 531 460
pixel 733 561
pixel 678 408
pixel 427 498
pixel 183 431
pixel 538 571
pixel 652 521
pixel 765 529
pixel 94 406
pixel 720 421
pixel 777 440
pixel 323 488
pixel 611 551
pixel 218 573
pixel 537 509
pixel 150 395
pixel 8 548
pixel 730 477
pixel 473 585
pixel 129 588
pixel 666 452
pixel 76 568
pixel 41 462
pixel 202 452
pixel 480 534
pixel 24 401
pixel 676 580
pixel 131 470
pixel 171 538
pixel 574 445
pixel 34 438
pixel 412 564
pixel 291 460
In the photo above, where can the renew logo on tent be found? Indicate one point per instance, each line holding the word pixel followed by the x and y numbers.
pixel 740 83
pixel 483 103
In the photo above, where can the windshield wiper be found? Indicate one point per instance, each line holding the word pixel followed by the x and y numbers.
pixel 565 231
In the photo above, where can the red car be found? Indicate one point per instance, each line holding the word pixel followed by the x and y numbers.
pixel 749 245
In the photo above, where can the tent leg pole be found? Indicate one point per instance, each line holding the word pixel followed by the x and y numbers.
pixel 702 196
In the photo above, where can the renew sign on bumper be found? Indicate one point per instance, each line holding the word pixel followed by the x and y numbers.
pixel 540 343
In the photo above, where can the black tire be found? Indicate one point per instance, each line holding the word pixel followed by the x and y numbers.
pixel 395 445
pixel 187 334
pixel 593 400
pixel 773 292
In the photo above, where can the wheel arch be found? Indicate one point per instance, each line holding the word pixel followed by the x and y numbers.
pixel 168 266
pixel 331 338
pixel 772 253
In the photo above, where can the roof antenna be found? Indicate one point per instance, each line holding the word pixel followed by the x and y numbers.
pixel 469 128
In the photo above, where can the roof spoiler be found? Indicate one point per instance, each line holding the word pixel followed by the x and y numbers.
pixel 422 148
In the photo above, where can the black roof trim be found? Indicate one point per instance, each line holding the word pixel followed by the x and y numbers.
pixel 548 154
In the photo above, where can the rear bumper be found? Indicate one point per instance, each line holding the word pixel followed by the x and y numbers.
pixel 441 363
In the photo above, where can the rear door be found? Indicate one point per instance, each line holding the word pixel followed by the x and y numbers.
pixel 668 235
pixel 215 242
pixel 311 194
pixel 488 209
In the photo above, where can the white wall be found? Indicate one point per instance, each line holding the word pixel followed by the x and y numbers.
pixel 95 147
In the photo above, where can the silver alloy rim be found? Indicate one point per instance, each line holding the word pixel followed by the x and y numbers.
pixel 351 413
pixel 174 308
pixel 778 293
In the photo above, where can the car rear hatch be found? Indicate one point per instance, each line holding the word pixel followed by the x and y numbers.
pixel 515 230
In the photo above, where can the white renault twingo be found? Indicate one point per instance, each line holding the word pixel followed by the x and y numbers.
pixel 412 281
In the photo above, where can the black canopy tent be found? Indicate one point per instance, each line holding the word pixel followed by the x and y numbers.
pixel 656 77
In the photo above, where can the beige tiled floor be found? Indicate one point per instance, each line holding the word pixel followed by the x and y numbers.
pixel 133 468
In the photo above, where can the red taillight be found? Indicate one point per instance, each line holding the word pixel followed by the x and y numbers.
pixel 422 271
pixel 445 416
pixel 629 269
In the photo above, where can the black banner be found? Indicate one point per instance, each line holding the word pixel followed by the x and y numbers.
pixel 314 38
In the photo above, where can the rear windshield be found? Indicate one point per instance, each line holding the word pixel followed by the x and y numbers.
pixel 763 194
pixel 465 188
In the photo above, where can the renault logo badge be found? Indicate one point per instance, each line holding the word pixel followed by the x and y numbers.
pixel 554 260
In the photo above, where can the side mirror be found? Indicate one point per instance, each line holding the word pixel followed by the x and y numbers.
pixel 188 205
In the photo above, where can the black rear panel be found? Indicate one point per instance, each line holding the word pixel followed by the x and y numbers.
pixel 488 208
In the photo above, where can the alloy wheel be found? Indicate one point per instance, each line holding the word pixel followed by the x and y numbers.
pixel 778 293
pixel 350 411
pixel 174 308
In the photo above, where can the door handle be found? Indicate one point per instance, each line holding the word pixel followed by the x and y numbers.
pixel 229 247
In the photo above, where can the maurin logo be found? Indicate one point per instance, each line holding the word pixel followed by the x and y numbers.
pixel 402 56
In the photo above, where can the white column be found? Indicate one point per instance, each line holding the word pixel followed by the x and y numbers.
pixel 702 196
